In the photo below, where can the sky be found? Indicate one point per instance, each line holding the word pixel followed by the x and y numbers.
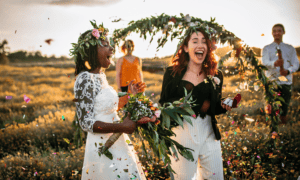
pixel 26 24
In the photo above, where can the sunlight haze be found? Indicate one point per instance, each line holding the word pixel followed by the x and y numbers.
pixel 25 24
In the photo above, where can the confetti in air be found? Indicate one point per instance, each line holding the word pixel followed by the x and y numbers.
pixel 66 140
pixel 249 119
pixel 8 97
pixel 48 41
pixel 26 99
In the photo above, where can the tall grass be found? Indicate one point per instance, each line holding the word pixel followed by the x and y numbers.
pixel 40 144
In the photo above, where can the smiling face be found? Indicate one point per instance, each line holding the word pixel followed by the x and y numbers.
pixel 129 47
pixel 277 33
pixel 105 53
pixel 197 48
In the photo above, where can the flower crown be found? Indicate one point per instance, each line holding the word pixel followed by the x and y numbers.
pixel 208 30
pixel 93 37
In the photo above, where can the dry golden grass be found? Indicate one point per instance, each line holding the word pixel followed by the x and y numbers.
pixel 51 91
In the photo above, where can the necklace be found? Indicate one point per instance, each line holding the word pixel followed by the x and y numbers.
pixel 198 74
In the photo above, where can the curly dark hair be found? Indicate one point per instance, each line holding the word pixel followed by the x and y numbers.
pixel 181 59
pixel 123 47
pixel 91 51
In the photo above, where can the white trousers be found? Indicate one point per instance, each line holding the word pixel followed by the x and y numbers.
pixel 207 153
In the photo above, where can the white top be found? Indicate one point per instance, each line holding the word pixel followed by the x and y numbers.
pixel 289 56
pixel 97 100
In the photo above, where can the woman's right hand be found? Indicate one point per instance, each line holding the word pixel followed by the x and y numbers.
pixel 129 125
pixel 135 88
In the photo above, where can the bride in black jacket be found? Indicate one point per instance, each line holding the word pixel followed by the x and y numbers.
pixel 195 68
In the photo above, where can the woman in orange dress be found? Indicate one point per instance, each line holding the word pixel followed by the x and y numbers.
pixel 128 67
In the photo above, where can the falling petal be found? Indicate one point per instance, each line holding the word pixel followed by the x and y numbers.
pixel 8 97
pixel 48 41
pixel 26 99
pixel 66 140
pixel 249 119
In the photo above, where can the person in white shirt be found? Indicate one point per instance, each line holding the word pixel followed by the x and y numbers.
pixel 289 62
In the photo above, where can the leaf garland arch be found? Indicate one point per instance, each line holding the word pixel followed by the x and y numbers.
pixel 176 27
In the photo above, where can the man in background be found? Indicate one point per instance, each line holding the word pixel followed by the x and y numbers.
pixel 281 69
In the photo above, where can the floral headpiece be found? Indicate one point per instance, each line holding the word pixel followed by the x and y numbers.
pixel 208 30
pixel 93 37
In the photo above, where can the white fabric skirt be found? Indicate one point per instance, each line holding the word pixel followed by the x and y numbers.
pixel 124 165
pixel 207 153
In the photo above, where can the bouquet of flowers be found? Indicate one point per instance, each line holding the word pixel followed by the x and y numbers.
pixel 157 133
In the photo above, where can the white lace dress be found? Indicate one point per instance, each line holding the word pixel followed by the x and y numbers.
pixel 99 102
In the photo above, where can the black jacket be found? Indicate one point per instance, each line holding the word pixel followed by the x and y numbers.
pixel 170 83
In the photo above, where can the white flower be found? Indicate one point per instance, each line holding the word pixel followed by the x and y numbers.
pixel 197 22
pixel 155 105
pixel 157 113
pixel 187 18
pixel 207 27
pixel 256 87
pixel 151 28
pixel 191 24
pixel 242 85
pixel 165 28
pixel 180 24
pixel 217 80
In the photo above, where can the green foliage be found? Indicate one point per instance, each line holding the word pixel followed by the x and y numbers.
pixel 179 28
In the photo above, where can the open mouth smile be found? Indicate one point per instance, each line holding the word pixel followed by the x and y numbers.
pixel 199 54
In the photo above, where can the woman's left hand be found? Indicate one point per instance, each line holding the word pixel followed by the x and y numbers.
pixel 135 88
pixel 227 107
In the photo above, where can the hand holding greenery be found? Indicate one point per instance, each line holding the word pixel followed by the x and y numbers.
pixel 157 133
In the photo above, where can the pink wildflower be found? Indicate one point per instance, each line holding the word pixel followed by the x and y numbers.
pixel 96 33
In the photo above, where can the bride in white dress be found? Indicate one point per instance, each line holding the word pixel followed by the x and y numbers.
pixel 96 107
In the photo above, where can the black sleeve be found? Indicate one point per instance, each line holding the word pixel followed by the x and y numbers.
pixel 219 108
pixel 166 95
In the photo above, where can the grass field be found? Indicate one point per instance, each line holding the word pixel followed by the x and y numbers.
pixel 32 144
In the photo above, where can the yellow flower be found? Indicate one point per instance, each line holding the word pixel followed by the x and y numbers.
pixel 101 29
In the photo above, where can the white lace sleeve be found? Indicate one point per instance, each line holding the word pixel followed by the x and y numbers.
pixel 85 91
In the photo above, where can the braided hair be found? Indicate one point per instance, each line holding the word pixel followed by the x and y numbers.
pixel 91 58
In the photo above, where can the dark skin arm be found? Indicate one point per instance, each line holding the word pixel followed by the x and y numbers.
pixel 128 127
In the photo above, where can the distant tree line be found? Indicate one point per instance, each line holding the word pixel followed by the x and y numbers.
pixel 22 55
pixel 27 56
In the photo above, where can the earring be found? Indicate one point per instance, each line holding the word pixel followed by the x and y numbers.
pixel 205 65
pixel 87 65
